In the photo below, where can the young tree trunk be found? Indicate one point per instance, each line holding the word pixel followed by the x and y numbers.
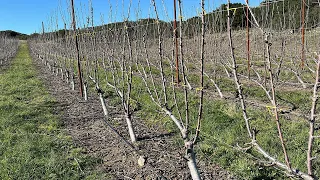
pixel 312 120
pixel 130 127
pixel 191 161
pixel 235 74
pixel 85 93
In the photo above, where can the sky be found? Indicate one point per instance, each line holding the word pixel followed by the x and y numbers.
pixel 26 16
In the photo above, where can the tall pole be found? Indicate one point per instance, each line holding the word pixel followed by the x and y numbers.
pixel 42 28
pixel 302 32
pixel 77 48
pixel 248 39
pixel 175 32
pixel 42 31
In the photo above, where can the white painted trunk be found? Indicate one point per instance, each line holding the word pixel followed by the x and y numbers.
pixel 193 169
pixel 62 74
pixel 219 91
pixel 217 87
pixel 67 77
pixel 177 122
pixel 85 91
pixel 131 131
pixel 227 72
pixel 258 75
pixel 192 164
pixel 104 107
pixel 72 85
pixel 57 71
pixel 302 83
pixel 188 84
pixel 280 164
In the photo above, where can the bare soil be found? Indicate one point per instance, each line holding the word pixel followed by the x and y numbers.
pixel 84 122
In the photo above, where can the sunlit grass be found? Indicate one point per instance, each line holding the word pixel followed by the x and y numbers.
pixel 32 144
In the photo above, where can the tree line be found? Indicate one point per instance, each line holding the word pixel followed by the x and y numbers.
pixel 270 14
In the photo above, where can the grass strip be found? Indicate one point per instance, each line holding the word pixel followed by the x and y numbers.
pixel 32 145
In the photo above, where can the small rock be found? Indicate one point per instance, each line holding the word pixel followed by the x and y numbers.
pixel 141 161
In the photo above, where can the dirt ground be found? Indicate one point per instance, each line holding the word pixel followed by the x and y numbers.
pixel 84 121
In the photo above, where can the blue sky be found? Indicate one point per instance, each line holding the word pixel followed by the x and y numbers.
pixel 25 16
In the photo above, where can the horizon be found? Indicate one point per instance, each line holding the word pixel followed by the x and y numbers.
pixel 28 16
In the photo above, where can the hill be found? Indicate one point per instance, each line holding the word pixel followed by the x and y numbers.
pixel 273 15
pixel 14 34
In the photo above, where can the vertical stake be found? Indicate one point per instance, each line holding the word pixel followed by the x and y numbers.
pixel 77 47
pixel 302 32
pixel 175 32
pixel 42 30
pixel 248 39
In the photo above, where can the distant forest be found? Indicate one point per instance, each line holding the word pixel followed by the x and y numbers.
pixel 271 14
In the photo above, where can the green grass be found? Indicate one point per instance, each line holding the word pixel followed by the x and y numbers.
pixel 223 127
pixel 32 144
